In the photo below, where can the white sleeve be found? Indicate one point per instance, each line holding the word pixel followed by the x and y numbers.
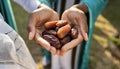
pixel 28 5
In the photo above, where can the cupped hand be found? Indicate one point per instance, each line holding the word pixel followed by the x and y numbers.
pixel 36 22
pixel 78 17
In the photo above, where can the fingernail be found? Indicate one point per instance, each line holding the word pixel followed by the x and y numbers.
pixel 30 36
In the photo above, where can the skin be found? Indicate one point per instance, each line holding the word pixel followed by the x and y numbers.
pixel 80 21
pixel 36 22
pixel 45 14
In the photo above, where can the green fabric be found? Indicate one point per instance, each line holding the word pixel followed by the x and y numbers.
pixel 46 2
pixel 49 3
pixel 6 10
pixel 95 7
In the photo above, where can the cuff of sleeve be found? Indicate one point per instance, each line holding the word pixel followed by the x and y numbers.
pixel 29 5
pixel 32 5
pixel 95 7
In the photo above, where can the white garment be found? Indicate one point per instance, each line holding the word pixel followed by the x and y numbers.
pixel 62 62
pixel 65 61
pixel 14 53
pixel 68 4
pixel 28 5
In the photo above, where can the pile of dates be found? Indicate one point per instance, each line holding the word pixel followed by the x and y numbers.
pixel 58 33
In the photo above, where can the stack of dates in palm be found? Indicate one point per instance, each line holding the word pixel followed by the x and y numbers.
pixel 58 33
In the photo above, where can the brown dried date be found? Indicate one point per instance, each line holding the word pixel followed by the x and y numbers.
pixel 63 31
pixel 61 23
pixel 50 25
pixel 58 33
pixel 74 33
pixel 52 40
pixel 51 32
pixel 65 40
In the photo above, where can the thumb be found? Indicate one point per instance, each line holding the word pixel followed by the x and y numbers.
pixel 32 33
pixel 83 27
pixel 31 29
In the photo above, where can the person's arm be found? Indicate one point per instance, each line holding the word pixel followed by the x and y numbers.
pixel 40 13
pixel 95 7
pixel 28 5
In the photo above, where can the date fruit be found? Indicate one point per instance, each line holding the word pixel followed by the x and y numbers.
pixel 50 25
pixel 58 33
pixel 65 40
pixel 74 33
pixel 63 31
pixel 51 32
pixel 61 23
pixel 52 40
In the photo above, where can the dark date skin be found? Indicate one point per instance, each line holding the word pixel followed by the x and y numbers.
pixel 51 32
pixel 52 40
pixel 65 40
pixel 57 28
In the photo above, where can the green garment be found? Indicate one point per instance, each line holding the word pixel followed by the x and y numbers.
pixel 6 11
pixel 49 3
pixel 95 7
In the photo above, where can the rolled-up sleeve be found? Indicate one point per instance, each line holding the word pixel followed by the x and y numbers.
pixel 95 7
pixel 28 5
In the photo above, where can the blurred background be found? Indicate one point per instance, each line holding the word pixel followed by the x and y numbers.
pixel 105 44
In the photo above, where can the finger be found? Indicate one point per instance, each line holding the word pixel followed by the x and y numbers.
pixel 62 53
pixel 53 50
pixel 71 44
pixel 45 44
pixel 31 31
pixel 54 17
pixel 83 27
pixel 65 17
pixel 58 52
pixel 31 28
pixel 42 42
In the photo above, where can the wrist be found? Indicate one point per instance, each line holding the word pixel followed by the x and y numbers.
pixel 82 7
